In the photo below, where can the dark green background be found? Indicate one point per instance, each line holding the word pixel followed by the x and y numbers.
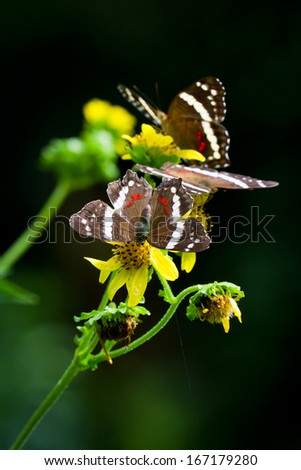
pixel 192 386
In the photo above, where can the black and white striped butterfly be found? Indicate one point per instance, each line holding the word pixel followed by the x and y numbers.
pixel 142 214
pixel 200 180
pixel 193 118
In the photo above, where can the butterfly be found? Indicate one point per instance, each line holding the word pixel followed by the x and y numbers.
pixel 200 180
pixel 142 214
pixel 193 118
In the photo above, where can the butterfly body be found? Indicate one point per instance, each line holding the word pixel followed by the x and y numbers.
pixel 141 214
pixel 193 118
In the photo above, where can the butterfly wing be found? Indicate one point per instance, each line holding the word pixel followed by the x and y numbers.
pixel 203 99
pixel 187 235
pixel 143 104
pixel 213 179
pixel 98 220
pixel 194 120
pixel 203 180
pixel 130 197
pixel 169 203
pixel 129 219
pixel 168 173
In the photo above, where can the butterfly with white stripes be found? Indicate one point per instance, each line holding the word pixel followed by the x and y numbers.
pixel 193 118
pixel 200 180
pixel 141 214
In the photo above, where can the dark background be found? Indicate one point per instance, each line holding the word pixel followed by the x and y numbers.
pixel 193 386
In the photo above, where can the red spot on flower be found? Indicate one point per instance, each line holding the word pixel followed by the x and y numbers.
pixel 202 143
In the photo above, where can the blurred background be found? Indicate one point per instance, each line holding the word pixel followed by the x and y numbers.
pixel 193 386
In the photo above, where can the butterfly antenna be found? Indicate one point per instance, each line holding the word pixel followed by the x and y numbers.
pixel 158 95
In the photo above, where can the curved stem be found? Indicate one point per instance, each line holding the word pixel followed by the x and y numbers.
pixel 46 405
pixel 34 229
pixel 158 327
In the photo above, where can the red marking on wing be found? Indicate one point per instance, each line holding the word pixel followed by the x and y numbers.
pixel 134 197
pixel 202 143
pixel 164 202
pixel 137 196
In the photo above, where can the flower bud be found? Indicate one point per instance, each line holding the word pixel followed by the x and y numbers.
pixel 216 303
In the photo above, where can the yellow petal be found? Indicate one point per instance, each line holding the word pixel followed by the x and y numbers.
pixel 163 140
pixel 126 156
pixel 191 155
pixel 149 135
pixel 188 261
pixel 111 264
pixel 236 310
pixel 103 275
pixel 148 130
pixel 163 264
pixel 226 324
pixel 119 280
pixel 129 138
pixel 136 285
pixel 105 267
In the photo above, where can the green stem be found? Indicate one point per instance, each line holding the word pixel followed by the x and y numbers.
pixel 158 327
pixel 34 230
pixel 46 405
pixel 61 385
pixel 74 367
pixel 105 297
pixel 169 297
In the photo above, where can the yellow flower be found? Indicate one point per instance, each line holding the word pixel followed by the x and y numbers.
pixel 120 119
pixel 131 262
pixel 153 148
pixel 97 111
pixel 216 303
pixel 219 309
pixel 150 138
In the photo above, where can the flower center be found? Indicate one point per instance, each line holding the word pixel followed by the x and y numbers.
pixel 132 255
pixel 216 308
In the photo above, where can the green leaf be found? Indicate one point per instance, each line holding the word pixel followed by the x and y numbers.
pixel 12 293
pixel 163 294
pixel 111 312
pixel 192 312
pixel 222 288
